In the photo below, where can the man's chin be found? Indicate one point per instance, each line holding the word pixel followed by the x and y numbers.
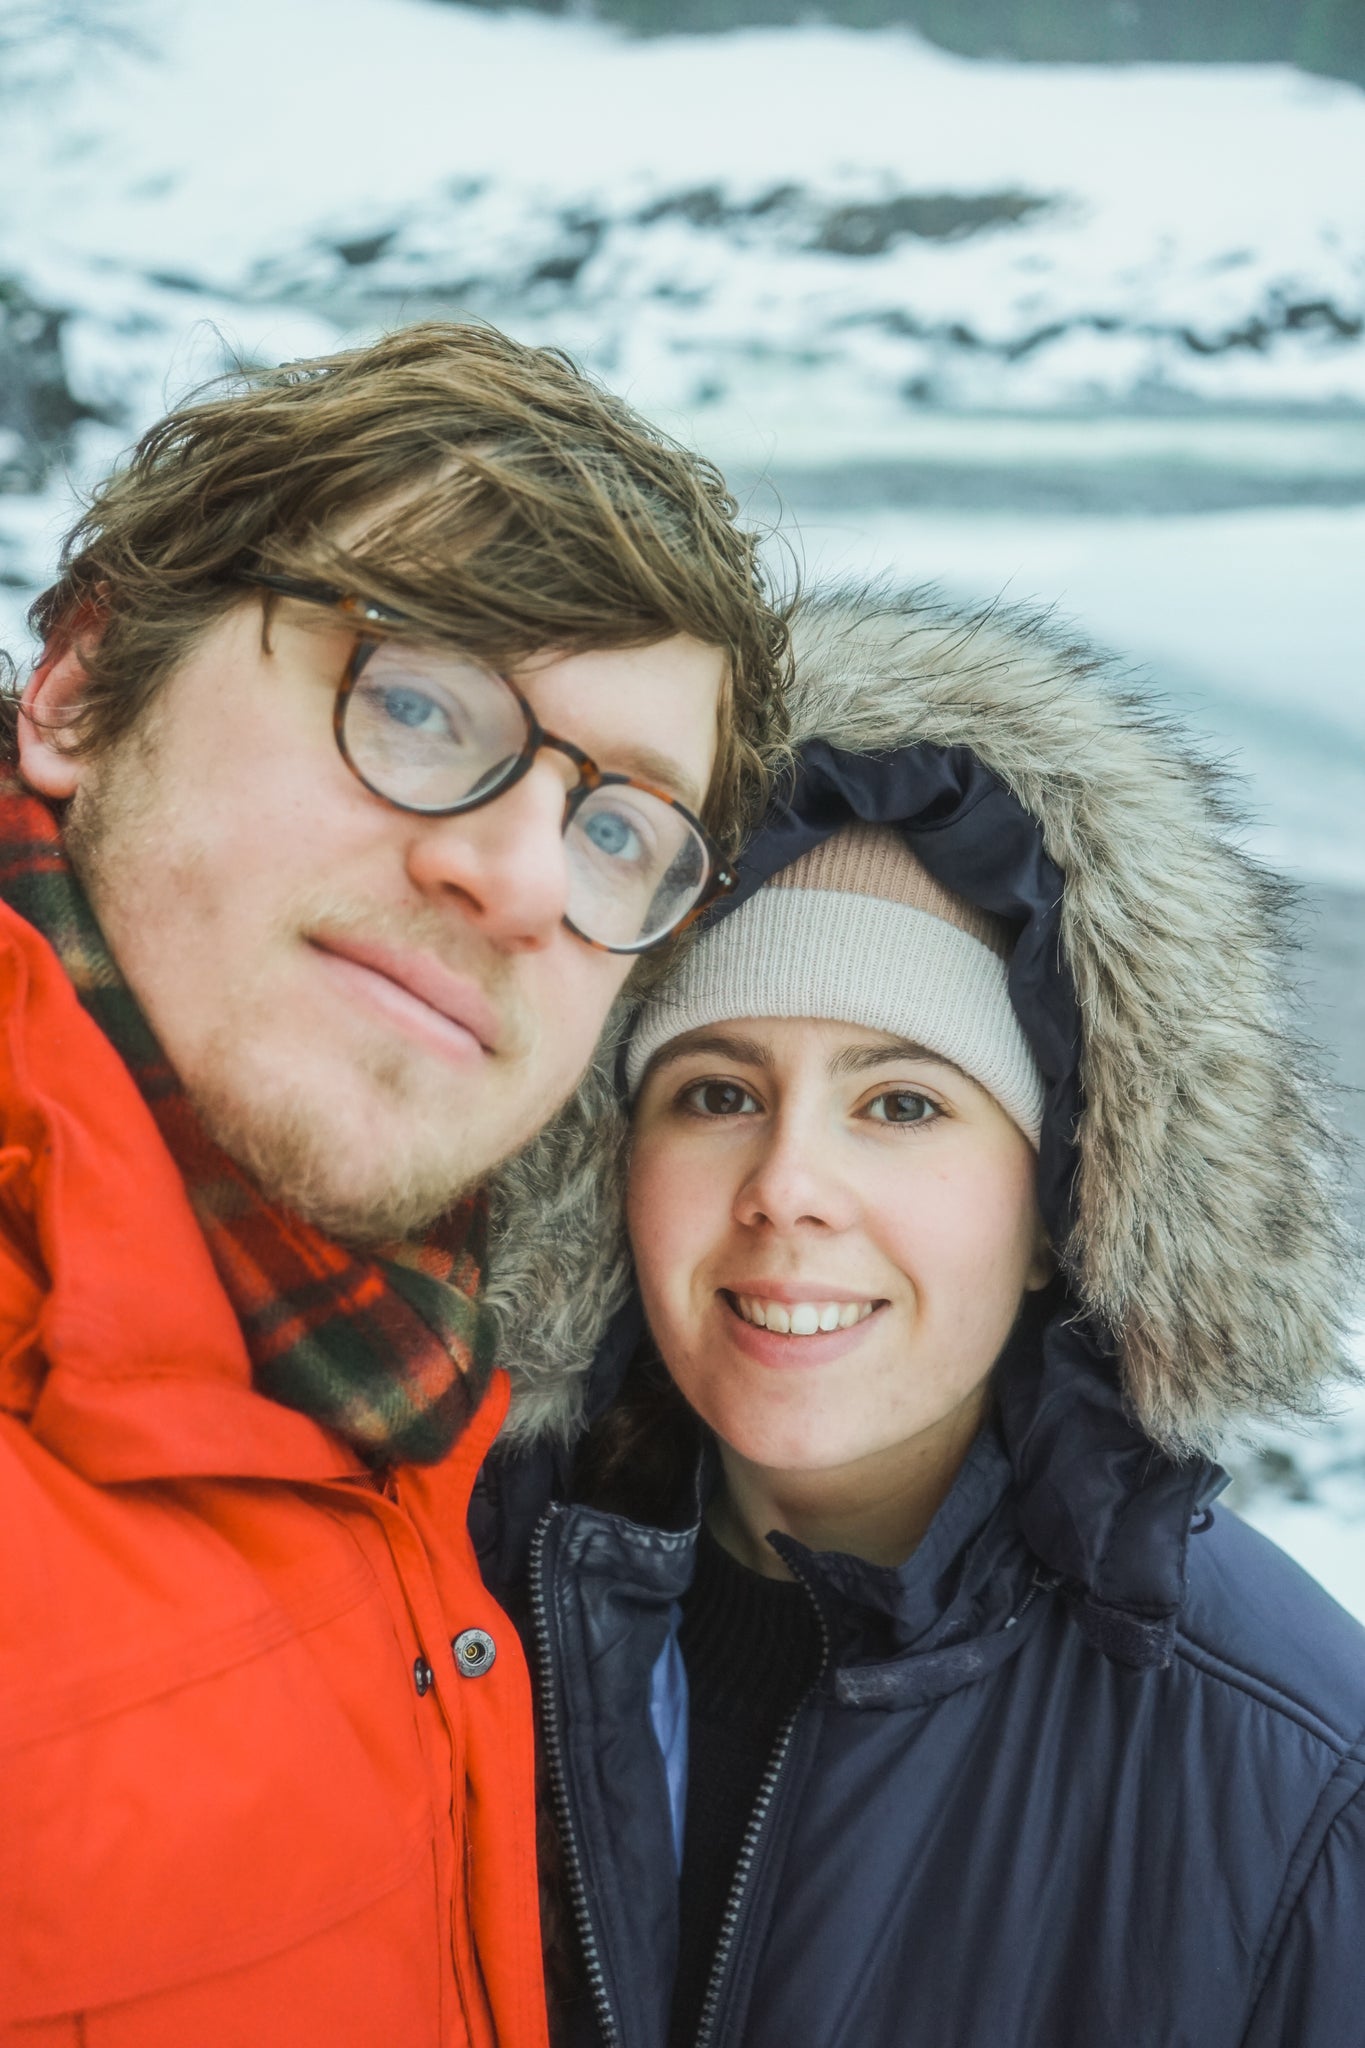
pixel 369 1145
pixel 359 1212
pixel 386 1217
pixel 356 1179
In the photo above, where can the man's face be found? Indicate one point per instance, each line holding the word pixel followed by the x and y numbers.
pixel 370 1008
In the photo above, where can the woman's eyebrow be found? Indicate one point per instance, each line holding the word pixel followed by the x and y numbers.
pixel 857 1059
pixel 720 1045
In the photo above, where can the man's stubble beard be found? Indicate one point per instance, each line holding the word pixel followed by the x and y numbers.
pixel 280 1135
pixel 294 1157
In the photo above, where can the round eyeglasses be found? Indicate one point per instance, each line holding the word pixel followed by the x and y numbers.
pixel 433 731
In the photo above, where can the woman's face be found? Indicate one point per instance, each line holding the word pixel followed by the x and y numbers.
pixel 833 1231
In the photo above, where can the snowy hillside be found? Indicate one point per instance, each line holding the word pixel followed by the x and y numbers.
pixel 810 222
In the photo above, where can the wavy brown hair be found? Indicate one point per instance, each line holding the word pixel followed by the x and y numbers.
pixel 491 491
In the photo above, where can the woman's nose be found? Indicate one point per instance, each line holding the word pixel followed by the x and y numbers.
pixel 795 1179
pixel 504 862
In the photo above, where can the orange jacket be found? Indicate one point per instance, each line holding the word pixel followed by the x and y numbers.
pixel 247 1798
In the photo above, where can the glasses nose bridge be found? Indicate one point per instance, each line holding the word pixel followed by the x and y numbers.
pixel 539 741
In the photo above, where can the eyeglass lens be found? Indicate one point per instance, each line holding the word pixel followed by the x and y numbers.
pixel 433 732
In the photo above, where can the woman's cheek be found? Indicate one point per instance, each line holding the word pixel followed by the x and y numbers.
pixel 668 1219
pixel 974 1253
pixel 648 1212
pixel 953 1234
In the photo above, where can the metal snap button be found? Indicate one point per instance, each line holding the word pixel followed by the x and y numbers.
pixel 474 1652
pixel 423 1677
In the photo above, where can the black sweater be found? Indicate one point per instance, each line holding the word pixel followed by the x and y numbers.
pixel 751 1647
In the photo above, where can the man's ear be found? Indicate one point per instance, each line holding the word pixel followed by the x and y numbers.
pixel 54 695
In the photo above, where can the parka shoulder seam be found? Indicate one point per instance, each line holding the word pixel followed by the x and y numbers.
pixel 1340 1740
pixel 1328 1814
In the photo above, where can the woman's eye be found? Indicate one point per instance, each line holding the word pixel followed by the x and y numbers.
pixel 902 1106
pixel 718 1098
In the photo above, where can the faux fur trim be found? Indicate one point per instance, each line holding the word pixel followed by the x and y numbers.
pixel 1209 1239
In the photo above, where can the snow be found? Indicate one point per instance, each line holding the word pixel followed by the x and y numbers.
pixel 698 216
pixel 1248 621
pixel 767 239
pixel 1304 1492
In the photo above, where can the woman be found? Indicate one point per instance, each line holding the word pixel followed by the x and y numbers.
pixel 900 1682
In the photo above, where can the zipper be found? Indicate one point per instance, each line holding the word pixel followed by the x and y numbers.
pixel 1041 1582
pixel 767 1791
pixel 554 1757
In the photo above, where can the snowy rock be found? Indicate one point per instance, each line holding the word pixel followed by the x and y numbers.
pixel 37 407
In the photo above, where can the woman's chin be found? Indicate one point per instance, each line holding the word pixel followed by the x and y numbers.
pixel 783 1447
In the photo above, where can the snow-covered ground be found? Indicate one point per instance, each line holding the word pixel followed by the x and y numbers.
pixel 818 252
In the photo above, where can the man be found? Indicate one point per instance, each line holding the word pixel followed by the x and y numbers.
pixel 390 707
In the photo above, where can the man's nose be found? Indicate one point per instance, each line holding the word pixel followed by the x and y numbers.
pixel 794 1180
pixel 504 862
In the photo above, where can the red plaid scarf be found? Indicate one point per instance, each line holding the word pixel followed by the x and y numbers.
pixel 390 1350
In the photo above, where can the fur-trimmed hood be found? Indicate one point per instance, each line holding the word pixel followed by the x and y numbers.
pixel 1202 1239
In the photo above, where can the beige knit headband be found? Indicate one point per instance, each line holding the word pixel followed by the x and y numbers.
pixel 858 931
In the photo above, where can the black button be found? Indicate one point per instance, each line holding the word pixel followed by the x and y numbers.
pixel 474 1652
pixel 423 1677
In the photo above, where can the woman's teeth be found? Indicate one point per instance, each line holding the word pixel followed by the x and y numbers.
pixel 802 1318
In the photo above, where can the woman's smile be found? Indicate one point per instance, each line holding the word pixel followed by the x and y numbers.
pixel 799 1315
pixel 804 1333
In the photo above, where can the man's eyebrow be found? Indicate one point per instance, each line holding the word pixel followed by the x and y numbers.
pixel 647 764
pixel 857 1059
pixel 719 1045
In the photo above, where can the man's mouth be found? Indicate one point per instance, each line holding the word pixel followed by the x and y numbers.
pixel 416 992
pixel 801 1318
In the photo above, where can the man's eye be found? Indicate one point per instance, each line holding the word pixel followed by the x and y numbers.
pixel 718 1098
pixel 414 710
pixel 902 1106
pixel 613 834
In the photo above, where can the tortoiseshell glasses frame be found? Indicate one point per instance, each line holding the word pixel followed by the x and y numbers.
pixel 393 759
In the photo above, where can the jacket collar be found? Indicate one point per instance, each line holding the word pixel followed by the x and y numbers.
pixel 897 1636
pixel 940 1585
pixel 915 1632
pixel 1099 1505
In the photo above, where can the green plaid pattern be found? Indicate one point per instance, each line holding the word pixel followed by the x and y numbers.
pixel 389 1350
